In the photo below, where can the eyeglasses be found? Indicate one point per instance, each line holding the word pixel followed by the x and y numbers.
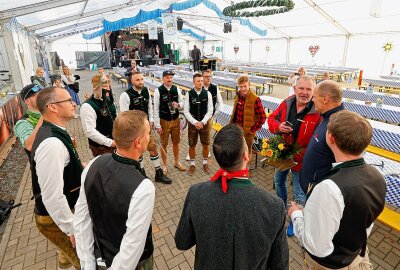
pixel 34 89
pixel 61 101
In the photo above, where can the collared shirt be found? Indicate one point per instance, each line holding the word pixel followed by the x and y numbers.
pixel 189 116
pixel 157 105
pixel 258 110
pixel 139 218
pixel 51 158
pixel 125 101
pixel 319 221
pixel 88 119
pixel 218 104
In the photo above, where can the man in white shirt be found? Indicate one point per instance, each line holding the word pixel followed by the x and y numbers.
pixel 138 98
pixel 167 103
pixel 215 94
pixel 338 216
pixel 198 111
pixel 114 217
pixel 97 116
pixel 56 170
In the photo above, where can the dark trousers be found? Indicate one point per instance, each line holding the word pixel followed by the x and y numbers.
pixel 196 65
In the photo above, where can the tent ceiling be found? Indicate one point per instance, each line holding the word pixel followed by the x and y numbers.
pixel 308 18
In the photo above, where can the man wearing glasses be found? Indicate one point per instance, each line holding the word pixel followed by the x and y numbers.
pixel 56 171
pixel 97 116
pixel 319 157
pixel 26 128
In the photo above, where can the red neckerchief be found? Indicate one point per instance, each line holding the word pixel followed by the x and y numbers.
pixel 225 175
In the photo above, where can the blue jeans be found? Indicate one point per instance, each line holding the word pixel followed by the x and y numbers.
pixel 281 188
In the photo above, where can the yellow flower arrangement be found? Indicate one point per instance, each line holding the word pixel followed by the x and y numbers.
pixel 279 147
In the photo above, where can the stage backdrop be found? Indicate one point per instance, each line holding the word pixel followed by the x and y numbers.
pixel 84 59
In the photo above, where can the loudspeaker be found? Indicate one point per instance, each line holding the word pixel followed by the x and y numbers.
pixel 227 27
pixel 179 23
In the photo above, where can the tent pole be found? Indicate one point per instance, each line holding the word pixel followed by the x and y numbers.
pixel 288 51
pixel 346 47
pixel 250 49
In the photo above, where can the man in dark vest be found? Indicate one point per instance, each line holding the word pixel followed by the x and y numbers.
pixel 138 98
pixel 233 223
pixel 97 116
pixel 248 111
pixel 56 171
pixel 198 110
pixel 116 201
pixel 213 89
pixel 195 54
pixel 167 103
pixel 26 128
pixel 338 216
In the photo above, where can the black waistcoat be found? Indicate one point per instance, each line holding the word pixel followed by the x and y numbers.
pixel 198 104
pixel 105 115
pixel 212 88
pixel 363 189
pixel 167 97
pixel 109 186
pixel 72 172
pixel 139 101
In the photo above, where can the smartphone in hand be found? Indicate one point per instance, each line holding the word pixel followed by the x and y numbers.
pixel 287 123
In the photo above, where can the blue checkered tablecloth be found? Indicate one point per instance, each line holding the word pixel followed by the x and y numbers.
pixel 392 100
pixel 223 118
pixel 383 82
pixel 387 113
pixel 390 77
pixel 385 136
pixel 393 190
pixel 235 76
pixel 391 172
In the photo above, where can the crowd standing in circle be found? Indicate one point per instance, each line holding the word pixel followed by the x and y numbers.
pixel 101 215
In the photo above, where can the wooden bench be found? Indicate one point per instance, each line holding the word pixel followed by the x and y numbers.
pixel 124 81
pixel 227 89
pixel 216 127
pixel 390 218
pixel 383 153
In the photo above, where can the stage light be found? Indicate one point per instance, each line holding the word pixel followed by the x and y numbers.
pixel 179 23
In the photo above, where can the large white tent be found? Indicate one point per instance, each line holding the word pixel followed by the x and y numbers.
pixel 349 33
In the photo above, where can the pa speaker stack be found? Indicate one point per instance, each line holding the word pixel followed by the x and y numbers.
pixel 179 23
pixel 227 27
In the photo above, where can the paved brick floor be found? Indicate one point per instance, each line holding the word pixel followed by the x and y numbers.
pixel 22 247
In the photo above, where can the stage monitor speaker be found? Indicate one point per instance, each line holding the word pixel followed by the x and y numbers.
pixel 179 23
pixel 227 27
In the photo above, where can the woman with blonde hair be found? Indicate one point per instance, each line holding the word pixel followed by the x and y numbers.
pixel 71 83
pixel 294 77
pixel 38 78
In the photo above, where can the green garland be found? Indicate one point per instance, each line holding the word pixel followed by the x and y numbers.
pixel 234 10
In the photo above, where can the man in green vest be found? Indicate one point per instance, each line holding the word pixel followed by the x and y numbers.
pixel 167 103
pixel 138 97
pixel 56 170
pixel 198 110
pixel 97 116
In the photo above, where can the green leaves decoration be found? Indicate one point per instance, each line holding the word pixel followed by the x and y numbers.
pixel 235 10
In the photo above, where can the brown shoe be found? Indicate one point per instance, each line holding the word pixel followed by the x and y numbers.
pixel 206 169
pixel 191 169
pixel 180 167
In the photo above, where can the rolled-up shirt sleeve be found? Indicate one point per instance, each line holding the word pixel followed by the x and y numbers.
pixel 124 102
pixel 51 157
pixel 157 108
pixel 139 218
pixel 88 120
pixel 83 227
